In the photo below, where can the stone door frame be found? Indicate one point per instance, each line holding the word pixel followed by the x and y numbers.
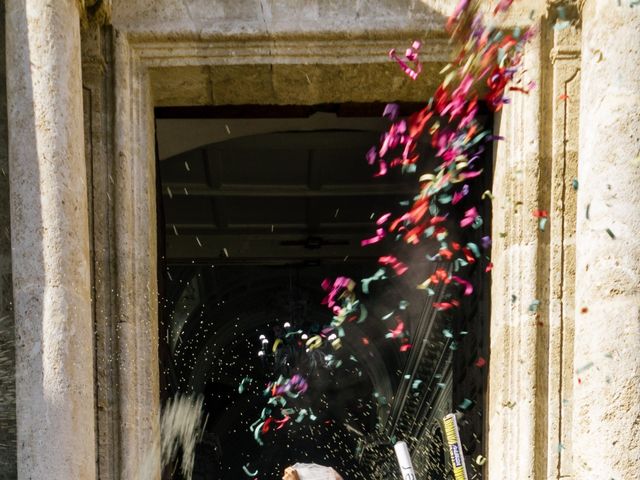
pixel 119 123
pixel 118 81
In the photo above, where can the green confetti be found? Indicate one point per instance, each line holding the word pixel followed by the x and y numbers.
pixel 474 248
pixel 248 472
pixel 466 404
pixel 301 415
pixel 574 183
pixel 278 400
pixel 363 314
pixel 542 223
pixel 459 263
pixel 533 307
pixel 479 137
pixel 244 383
pixel 611 234
pixel 256 434
pixel 584 367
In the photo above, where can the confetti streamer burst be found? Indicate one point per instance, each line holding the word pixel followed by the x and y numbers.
pixel 484 67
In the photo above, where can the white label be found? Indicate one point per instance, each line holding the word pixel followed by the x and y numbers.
pixel 404 461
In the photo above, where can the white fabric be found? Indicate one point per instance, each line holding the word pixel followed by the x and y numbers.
pixel 311 471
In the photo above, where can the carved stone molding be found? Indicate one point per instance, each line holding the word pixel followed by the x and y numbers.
pixel 289 70
pixel 180 66
pixel 234 50
pixel 563 53
pixel 50 242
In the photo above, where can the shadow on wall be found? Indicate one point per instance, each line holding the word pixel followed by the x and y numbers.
pixel 8 470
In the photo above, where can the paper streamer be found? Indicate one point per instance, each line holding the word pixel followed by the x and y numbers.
pixel 404 461
pixel 455 447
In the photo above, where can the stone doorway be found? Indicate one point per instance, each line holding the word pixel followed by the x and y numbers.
pixel 270 202
pixel 134 58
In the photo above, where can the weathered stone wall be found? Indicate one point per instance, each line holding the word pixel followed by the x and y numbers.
pixel 97 80
pixel 49 242
pixel 534 276
pixel 606 384
pixel 543 422
pixel 275 52
pixel 7 337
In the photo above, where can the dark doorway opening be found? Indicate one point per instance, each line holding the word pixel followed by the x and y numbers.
pixel 268 203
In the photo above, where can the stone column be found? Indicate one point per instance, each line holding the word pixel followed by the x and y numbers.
pixel 50 242
pixel 606 437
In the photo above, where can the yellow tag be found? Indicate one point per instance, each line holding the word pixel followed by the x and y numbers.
pixel 314 342
pixel 455 447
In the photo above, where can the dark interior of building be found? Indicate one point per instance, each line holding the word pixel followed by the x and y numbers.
pixel 250 224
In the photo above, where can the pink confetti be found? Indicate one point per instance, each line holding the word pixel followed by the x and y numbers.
pixel 412 56
pixel 468 287
pixel 396 264
pixel 375 239
pixel 470 216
